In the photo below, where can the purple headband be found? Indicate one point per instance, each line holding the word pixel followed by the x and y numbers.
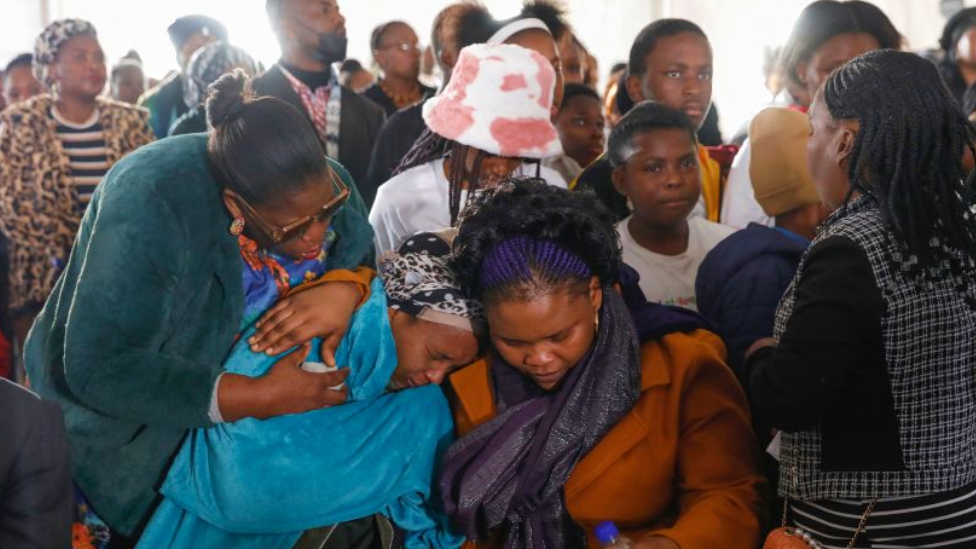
pixel 515 259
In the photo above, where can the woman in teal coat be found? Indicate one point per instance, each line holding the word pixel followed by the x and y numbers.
pixel 132 339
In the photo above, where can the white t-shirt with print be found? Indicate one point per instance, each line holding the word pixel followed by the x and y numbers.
pixel 417 200
pixel 670 279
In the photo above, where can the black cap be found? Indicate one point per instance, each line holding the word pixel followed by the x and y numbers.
pixel 183 28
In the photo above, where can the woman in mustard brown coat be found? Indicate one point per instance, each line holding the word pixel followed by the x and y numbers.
pixel 593 405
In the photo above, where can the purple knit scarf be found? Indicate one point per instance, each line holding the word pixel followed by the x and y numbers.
pixel 507 476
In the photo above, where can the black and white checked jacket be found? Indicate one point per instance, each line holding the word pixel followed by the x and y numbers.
pixel 929 338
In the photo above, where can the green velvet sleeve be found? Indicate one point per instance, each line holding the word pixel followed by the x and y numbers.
pixel 115 342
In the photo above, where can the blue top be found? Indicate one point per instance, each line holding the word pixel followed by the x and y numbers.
pixel 260 483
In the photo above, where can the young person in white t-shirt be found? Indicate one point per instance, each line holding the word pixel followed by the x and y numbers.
pixel 491 122
pixel 654 154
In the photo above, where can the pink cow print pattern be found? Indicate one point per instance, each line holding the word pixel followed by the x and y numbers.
pixel 499 100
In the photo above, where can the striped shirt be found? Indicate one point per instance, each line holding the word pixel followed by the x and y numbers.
pixel 85 146
pixel 942 521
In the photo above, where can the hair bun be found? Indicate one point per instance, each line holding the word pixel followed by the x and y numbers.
pixel 226 98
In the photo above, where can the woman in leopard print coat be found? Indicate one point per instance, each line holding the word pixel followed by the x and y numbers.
pixel 40 207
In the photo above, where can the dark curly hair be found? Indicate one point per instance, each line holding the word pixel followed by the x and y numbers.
pixel 908 154
pixel 570 238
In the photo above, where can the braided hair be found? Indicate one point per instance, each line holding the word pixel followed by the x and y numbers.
pixel 431 146
pixel 525 238
pixel 907 156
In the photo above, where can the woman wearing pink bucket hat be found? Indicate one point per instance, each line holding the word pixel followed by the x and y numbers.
pixel 491 122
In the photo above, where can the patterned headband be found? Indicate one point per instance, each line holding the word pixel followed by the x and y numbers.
pixel 51 40
pixel 419 283
pixel 515 260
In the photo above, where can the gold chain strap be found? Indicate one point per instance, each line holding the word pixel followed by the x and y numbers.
pixel 864 521
pixel 860 525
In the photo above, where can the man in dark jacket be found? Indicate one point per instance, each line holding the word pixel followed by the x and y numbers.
pixel 312 35
pixel 165 101
pixel 741 280
pixel 35 474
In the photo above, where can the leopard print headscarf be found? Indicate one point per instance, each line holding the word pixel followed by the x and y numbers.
pixel 49 42
pixel 419 283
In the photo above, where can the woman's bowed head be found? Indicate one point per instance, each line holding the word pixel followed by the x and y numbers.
pixel 542 293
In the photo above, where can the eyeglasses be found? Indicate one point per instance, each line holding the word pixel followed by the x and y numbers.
pixel 405 47
pixel 277 235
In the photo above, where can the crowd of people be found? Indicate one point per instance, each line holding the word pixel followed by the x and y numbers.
pixel 323 305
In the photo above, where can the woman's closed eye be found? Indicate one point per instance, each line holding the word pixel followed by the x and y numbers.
pixel 556 338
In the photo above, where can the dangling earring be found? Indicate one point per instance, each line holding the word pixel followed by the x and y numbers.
pixel 596 321
pixel 237 227
pixel 630 204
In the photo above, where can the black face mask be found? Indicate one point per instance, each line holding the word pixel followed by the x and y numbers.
pixel 331 47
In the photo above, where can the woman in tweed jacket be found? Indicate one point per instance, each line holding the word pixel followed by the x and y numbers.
pixel 871 372
pixel 40 196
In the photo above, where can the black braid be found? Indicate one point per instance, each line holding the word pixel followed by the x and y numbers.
pixel 474 181
pixel 908 156
pixel 429 146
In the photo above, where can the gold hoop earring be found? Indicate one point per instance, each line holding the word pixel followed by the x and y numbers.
pixel 237 227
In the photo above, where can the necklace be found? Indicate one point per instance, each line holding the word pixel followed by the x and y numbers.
pixel 401 100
